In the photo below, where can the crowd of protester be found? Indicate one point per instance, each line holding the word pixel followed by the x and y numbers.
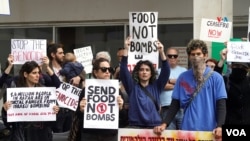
pixel 199 98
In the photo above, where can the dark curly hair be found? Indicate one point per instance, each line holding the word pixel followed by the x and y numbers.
pixel 197 44
pixel 52 48
pixel 135 73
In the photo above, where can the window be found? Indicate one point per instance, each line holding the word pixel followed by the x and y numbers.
pixel 100 38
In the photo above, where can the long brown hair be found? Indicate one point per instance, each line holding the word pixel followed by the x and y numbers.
pixel 27 67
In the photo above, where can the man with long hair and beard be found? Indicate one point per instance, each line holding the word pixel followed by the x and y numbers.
pixel 55 54
pixel 201 93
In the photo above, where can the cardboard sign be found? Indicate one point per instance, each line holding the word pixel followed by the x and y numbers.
pixel 4 7
pixel 84 55
pixel 248 33
pixel 143 32
pixel 102 110
pixel 215 31
pixel 68 96
pixel 238 52
pixel 31 104
pixel 28 50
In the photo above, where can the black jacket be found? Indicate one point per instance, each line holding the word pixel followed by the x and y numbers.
pixel 238 102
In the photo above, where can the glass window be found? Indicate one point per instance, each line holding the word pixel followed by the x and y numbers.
pixel 100 38
pixel 175 34
pixel 240 32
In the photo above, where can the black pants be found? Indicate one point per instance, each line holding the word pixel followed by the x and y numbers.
pixel 38 134
pixel 63 120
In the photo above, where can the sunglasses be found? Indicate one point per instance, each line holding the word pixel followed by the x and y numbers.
pixel 172 56
pixel 104 69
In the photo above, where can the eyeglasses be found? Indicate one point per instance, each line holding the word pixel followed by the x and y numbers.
pixel 104 69
pixel 172 56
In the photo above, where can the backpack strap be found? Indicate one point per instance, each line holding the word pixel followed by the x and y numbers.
pixel 150 96
pixel 198 89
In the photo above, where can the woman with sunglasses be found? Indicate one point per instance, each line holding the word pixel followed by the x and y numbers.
pixel 143 109
pixel 101 70
pixel 29 76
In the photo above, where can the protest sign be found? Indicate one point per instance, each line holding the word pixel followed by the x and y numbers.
pixel 215 30
pixel 127 134
pixel 238 51
pixel 84 56
pixel 31 104
pixel 102 109
pixel 248 33
pixel 28 50
pixel 4 7
pixel 143 32
pixel 68 96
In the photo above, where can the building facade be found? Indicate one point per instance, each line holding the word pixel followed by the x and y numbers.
pixel 103 24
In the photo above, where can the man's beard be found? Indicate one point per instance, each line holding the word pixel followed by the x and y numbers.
pixel 198 66
pixel 58 60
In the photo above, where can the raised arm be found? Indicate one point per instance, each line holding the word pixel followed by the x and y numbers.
pixel 160 48
pixel 126 46
pixel 55 80
pixel 10 64
pixel 165 70
pixel 6 73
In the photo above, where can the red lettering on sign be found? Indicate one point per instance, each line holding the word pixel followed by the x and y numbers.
pixel 67 100
pixel 27 55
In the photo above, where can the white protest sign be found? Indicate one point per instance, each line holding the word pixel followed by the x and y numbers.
pixel 182 57
pixel 248 33
pixel 84 55
pixel 4 7
pixel 102 110
pixel 143 32
pixel 28 50
pixel 215 31
pixel 238 51
pixel 68 96
pixel 31 104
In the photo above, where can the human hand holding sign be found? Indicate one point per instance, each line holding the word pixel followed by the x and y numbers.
pixel 159 129
pixel 217 132
pixel 127 43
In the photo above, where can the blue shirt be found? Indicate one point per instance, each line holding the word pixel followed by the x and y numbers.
pixel 142 110
pixel 201 113
pixel 166 95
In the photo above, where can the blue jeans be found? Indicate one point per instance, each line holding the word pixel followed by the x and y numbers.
pixel 176 122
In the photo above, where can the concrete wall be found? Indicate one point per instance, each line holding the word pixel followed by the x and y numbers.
pixel 48 11
pixel 26 11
